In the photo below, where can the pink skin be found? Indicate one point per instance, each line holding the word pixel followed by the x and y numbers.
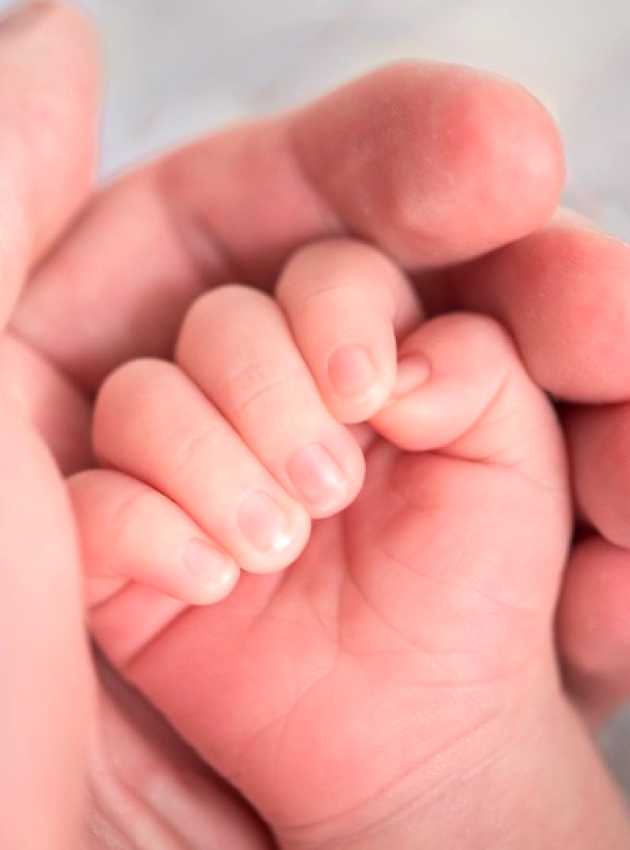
pixel 415 625
pixel 49 722
pixel 43 641
pixel 140 282
pixel 109 291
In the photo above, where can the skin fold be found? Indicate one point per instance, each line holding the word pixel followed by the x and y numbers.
pixel 410 641
pixel 108 290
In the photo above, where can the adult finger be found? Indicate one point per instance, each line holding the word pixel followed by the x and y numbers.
pixel 47 399
pixel 563 294
pixel 425 160
pixel 46 705
pixel 48 92
pixel 594 628
pixel 599 445
pixel 593 622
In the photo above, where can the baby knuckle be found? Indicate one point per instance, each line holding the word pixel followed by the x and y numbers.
pixel 194 452
pixel 333 267
pixel 135 511
pixel 483 334
pixel 126 395
pixel 257 382
pixel 128 383
pixel 213 318
pixel 212 305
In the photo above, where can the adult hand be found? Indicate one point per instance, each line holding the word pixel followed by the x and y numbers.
pixel 47 88
pixel 50 723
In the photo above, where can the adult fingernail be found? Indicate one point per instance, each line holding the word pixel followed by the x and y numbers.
pixel 214 572
pixel 264 523
pixel 316 476
pixel 413 372
pixel 351 371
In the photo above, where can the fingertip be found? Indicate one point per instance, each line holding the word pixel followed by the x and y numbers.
pixel 450 162
pixel 72 32
pixel 213 574
pixel 327 478
pixel 48 99
pixel 274 533
pixel 414 370
pixel 130 532
pixel 502 168
pixel 398 420
pixel 347 303
pixel 361 381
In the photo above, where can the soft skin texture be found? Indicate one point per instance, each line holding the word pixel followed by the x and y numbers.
pixel 423 159
pixel 149 790
pixel 43 104
pixel 51 727
pixel 108 285
pixel 113 290
pixel 410 642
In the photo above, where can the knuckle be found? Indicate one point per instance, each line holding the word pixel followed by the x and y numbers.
pixel 339 269
pixel 481 334
pixel 133 513
pixel 214 315
pixel 321 256
pixel 212 305
pixel 128 395
pixel 124 381
pixel 257 381
pixel 194 451
pixel 125 378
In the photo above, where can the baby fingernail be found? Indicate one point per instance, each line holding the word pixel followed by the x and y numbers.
pixel 264 523
pixel 351 371
pixel 413 372
pixel 215 572
pixel 316 476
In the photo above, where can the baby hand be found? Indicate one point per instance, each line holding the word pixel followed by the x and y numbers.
pixel 414 627
pixel 222 460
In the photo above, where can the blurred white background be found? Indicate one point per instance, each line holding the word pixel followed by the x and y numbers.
pixel 180 67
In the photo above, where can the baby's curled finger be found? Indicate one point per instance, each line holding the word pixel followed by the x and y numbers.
pixel 151 422
pixel 461 389
pixel 347 304
pixel 130 531
pixel 236 346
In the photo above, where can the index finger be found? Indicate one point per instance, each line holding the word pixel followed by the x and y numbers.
pixel 432 163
